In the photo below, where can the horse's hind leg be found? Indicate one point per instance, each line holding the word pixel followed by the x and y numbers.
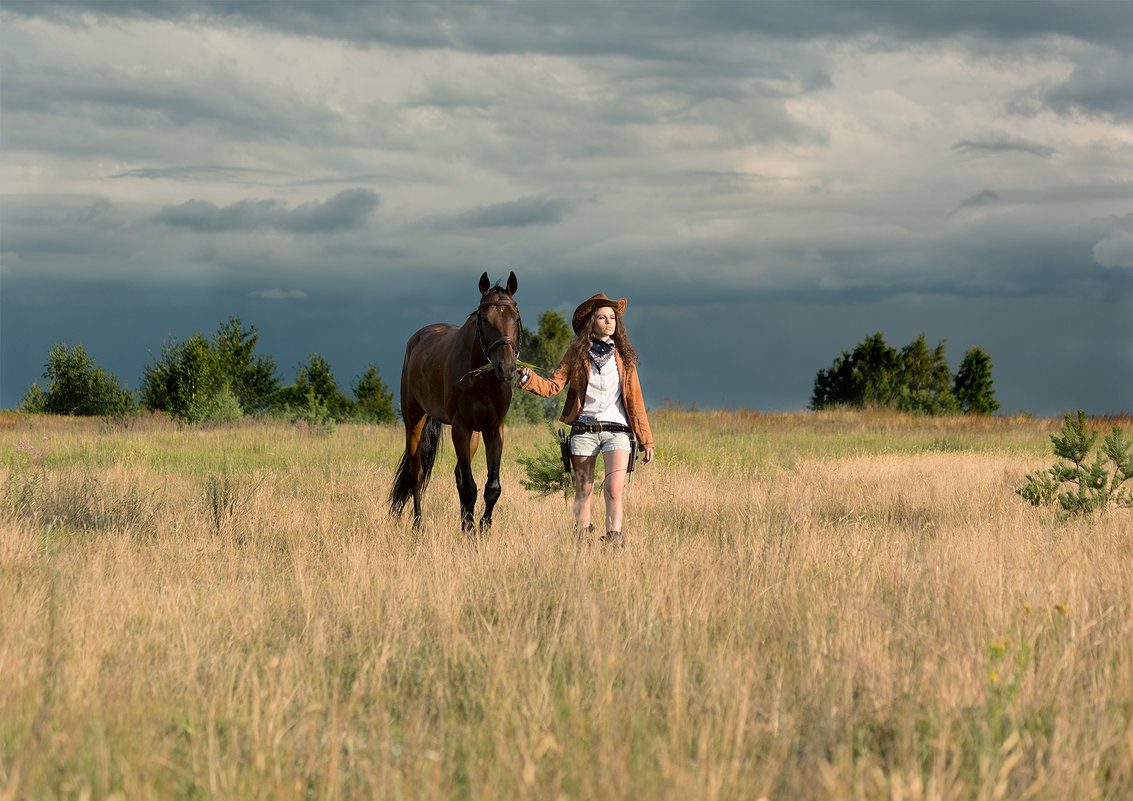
pixel 415 421
pixel 462 439
pixel 493 450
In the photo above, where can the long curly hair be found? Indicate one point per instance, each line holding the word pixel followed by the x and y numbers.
pixel 580 345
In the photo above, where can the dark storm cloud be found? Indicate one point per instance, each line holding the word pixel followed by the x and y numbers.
pixel 600 27
pixel 793 176
pixel 346 210
pixel 534 210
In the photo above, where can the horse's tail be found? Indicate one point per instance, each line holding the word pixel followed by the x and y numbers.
pixel 402 489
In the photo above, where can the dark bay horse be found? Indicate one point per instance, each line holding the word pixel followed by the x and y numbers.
pixel 440 385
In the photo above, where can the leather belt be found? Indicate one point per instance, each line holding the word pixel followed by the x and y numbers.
pixel 594 428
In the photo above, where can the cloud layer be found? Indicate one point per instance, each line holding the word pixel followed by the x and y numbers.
pixel 361 161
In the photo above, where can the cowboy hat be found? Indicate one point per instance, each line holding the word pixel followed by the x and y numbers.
pixel 590 304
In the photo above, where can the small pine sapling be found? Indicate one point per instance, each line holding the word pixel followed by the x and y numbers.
pixel 1089 487
pixel 545 473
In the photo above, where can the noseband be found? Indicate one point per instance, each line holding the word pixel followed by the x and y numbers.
pixel 486 348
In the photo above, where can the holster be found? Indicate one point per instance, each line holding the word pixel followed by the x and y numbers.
pixel 564 449
pixel 632 457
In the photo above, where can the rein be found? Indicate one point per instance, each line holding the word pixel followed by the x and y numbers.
pixel 504 340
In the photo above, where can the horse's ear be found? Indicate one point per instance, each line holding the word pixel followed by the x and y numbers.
pixel 485 284
pixel 512 283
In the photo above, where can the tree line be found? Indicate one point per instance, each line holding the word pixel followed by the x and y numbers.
pixel 206 379
pixel 915 378
pixel 222 379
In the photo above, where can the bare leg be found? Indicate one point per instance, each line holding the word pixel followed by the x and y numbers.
pixel 613 487
pixel 583 488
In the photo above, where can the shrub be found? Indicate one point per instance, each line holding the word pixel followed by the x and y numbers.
pixel 544 469
pixel 1089 488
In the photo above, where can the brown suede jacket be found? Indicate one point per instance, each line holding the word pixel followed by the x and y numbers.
pixel 577 377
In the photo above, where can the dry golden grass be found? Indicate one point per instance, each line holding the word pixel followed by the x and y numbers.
pixel 810 606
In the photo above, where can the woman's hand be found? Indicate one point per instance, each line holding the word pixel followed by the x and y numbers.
pixel 648 457
pixel 522 375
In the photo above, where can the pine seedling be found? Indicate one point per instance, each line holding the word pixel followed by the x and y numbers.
pixel 1089 487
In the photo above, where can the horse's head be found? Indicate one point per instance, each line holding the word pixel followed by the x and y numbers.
pixel 498 326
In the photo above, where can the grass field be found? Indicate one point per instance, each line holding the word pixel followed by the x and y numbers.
pixel 843 605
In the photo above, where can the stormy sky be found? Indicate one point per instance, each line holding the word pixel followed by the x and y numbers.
pixel 767 183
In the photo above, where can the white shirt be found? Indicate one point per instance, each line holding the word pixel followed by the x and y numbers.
pixel 604 394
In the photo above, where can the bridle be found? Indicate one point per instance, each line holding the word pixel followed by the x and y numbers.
pixel 504 340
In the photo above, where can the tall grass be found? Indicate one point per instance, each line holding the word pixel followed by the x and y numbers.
pixel 810 606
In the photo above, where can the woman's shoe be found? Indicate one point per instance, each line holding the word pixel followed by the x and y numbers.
pixel 613 539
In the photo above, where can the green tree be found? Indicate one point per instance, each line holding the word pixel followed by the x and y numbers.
pixel 973 386
pixel 374 400
pixel 185 381
pixel 316 378
pixel 251 378
pixel 867 376
pixel 1090 487
pixel 925 381
pixel 914 379
pixel 217 379
pixel 543 347
pixel 76 386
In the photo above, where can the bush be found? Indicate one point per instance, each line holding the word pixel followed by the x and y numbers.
pixel 1089 488
pixel 75 386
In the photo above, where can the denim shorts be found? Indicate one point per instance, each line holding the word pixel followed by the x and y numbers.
pixel 589 444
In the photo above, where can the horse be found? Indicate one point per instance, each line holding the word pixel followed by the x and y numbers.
pixel 445 379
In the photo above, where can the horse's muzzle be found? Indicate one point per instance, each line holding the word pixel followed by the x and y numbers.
pixel 503 354
pixel 503 364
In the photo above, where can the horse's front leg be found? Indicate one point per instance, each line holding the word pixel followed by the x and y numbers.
pixel 465 483
pixel 494 451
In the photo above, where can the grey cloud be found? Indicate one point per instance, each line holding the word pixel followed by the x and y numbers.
pixel 111 110
pixel 1002 145
pixel 346 210
pixel 534 210
pixel 1115 249
pixel 984 198
pixel 197 172
pixel 1099 85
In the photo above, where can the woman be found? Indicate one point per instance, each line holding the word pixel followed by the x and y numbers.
pixel 604 407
